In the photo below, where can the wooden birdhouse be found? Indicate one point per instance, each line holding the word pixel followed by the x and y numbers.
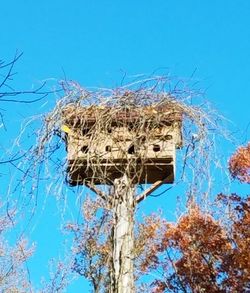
pixel 103 143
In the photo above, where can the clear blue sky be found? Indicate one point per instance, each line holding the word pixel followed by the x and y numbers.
pixel 95 42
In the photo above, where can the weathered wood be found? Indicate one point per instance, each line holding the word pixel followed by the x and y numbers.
pixel 151 189
pixel 122 277
pixel 96 190
pixel 140 137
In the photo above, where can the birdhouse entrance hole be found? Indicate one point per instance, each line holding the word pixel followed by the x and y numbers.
pixel 104 143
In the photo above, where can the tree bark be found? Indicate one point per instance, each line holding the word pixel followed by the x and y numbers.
pixel 122 277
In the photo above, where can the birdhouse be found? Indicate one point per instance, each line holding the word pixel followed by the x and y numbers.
pixel 103 143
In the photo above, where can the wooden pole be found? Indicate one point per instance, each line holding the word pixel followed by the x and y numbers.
pixel 122 277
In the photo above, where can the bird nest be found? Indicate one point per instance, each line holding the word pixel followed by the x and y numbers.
pixel 166 114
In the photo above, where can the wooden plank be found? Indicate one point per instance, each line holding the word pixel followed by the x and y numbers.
pixel 151 189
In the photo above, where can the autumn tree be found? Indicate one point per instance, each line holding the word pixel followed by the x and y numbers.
pixel 93 244
pixel 239 164
pixel 201 252
pixel 13 271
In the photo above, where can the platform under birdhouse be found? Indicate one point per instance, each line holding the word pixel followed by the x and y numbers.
pixel 104 143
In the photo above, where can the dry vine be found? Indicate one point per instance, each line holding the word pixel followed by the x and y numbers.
pixel 144 108
pixel 89 116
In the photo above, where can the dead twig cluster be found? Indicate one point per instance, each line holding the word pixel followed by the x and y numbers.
pixel 115 131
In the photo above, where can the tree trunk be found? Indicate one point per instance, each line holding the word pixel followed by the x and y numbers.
pixel 122 277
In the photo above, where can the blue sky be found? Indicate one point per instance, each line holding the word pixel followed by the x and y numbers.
pixel 96 42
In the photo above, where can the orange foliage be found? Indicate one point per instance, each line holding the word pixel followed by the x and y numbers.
pixel 199 254
pixel 202 242
pixel 237 261
pixel 148 241
pixel 239 164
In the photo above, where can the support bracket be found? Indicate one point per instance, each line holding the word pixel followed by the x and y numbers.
pixel 151 189
pixel 96 190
